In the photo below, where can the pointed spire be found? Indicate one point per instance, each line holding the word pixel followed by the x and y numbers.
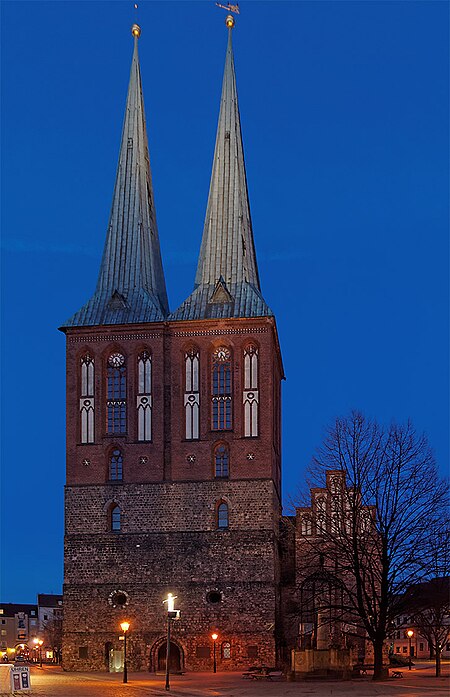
pixel 227 251
pixel 131 286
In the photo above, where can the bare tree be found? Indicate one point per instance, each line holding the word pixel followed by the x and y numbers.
pixel 375 530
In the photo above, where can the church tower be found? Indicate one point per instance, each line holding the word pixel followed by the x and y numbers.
pixel 173 431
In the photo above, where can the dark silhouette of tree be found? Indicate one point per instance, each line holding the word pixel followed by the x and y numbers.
pixel 379 522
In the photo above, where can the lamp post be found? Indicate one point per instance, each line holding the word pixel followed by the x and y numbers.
pixel 38 643
pixel 172 614
pixel 214 637
pixel 410 635
pixel 125 627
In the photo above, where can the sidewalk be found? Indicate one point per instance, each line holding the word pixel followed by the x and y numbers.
pixel 51 681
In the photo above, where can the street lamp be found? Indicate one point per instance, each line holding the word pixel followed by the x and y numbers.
pixel 214 637
pixel 39 643
pixel 410 635
pixel 125 627
pixel 172 614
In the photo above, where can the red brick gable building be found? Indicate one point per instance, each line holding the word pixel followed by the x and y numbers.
pixel 173 431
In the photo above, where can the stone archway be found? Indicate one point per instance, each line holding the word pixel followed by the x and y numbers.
pixel 158 656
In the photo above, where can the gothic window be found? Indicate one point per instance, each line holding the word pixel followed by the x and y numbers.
pixel 320 524
pixel 221 397
pixel 250 395
pixel 87 399
pixel 116 466
pixel 306 525
pixel 226 650
pixel 320 504
pixel 221 460
pixel 335 523
pixel 116 397
pixel 115 519
pixel 191 394
pixel 335 485
pixel 222 516
pixel 144 396
pixel 348 524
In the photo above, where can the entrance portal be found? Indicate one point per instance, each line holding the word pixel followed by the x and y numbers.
pixel 174 659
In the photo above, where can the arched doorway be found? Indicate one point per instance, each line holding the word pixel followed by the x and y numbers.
pixel 174 658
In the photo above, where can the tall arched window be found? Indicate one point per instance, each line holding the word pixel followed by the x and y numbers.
pixel 192 393
pixel 250 396
pixel 116 466
pixel 116 394
pixel 226 650
pixel 222 516
pixel 144 396
pixel 221 390
pixel 87 410
pixel 221 460
pixel 306 525
pixel 115 520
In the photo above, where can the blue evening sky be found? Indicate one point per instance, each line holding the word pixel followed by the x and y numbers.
pixel 344 109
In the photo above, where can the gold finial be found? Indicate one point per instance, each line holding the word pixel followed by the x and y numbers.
pixel 136 31
pixel 230 21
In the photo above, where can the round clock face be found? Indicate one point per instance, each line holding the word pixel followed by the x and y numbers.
pixel 222 354
pixel 116 360
pixel 118 598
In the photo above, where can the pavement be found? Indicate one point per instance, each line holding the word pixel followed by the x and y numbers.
pixel 52 681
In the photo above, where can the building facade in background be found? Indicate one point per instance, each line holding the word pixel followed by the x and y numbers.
pixel 173 431
pixel 22 624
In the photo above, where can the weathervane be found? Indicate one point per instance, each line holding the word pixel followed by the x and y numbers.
pixel 229 7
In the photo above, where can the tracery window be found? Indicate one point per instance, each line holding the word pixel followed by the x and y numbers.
pixel 222 516
pixel 144 396
pixel 306 525
pixel 191 394
pixel 221 460
pixel 116 466
pixel 250 395
pixel 116 522
pixel 221 387
pixel 226 650
pixel 87 405
pixel 320 524
pixel 116 394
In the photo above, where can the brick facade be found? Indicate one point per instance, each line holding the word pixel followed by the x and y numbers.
pixel 168 498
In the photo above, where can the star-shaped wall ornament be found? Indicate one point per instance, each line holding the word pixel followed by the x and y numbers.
pixel 86 462
pixel 190 458
pixel 250 456
pixel 143 460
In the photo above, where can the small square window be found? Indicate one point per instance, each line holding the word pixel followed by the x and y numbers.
pixel 82 652
pixel 404 649
pixel 252 651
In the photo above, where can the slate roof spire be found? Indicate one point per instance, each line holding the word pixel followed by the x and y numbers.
pixel 227 279
pixel 131 286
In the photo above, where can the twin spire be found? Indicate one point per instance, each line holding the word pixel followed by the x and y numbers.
pixel 131 287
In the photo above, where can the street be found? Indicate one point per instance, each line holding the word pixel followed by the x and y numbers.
pixel 51 681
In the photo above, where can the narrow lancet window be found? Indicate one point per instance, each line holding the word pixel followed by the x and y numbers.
pixel 192 394
pixel 221 389
pixel 87 407
pixel 250 395
pixel 116 400
pixel 115 519
pixel 144 396
pixel 222 516
pixel 116 466
pixel 221 460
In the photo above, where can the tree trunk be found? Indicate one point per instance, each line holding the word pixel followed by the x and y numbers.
pixel 378 672
pixel 438 661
